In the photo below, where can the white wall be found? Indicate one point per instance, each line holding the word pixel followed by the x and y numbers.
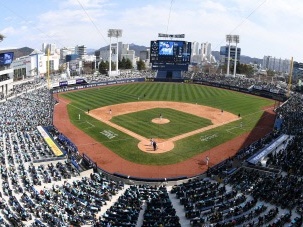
pixel 30 63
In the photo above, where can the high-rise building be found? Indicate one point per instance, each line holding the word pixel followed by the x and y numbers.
pixel 123 51
pixel 276 64
pixel 144 55
pixel 201 53
pixel 66 51
pixel 224 53
pixel 195 50
pixel 81 51
pixel 206 50
pixel 128 54
pixel 51 47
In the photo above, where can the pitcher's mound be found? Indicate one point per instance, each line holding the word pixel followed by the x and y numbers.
pixel 160 120
pixel 162 146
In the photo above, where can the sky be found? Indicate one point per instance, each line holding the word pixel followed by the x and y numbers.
pixel 265 27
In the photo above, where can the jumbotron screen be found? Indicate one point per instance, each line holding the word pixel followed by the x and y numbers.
pixel 170 54
pixel 6 58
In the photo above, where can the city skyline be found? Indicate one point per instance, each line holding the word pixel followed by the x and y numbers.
pixel 265 27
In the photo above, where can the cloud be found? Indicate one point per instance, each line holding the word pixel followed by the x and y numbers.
pixel 213 6
pixel 70 25
pixel 8 31
pixel 87 4
pixel 8 19
pixel 266 27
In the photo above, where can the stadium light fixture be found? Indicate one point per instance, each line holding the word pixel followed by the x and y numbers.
pixel 1 37
pixel 229 39
pixel 236 39
pixel 117 33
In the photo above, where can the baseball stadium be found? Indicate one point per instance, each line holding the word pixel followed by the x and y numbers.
pixel 152 128
pixel 170 145
pixel 164 147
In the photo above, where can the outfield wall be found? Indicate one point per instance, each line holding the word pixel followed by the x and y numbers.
pixel 98 84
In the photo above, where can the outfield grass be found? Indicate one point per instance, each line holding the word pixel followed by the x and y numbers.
pixel 141 123
pixel 250 108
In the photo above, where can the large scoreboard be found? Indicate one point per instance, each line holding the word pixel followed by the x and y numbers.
pixel 6 58
pixel 170 55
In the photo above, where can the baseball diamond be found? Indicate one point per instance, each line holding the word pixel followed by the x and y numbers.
pixel 210 113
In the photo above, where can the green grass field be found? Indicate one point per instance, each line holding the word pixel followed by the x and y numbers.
pixel 250 108
pixel 141 123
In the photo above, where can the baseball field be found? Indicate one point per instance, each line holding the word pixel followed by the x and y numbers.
pixel 184 119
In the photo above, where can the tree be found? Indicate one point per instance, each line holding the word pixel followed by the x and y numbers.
pixel 222 69
pixel 140 65
pixel 103 67
pixel 128 64
pixel 122 63
pixel 244 69
pixel 62 68
pixel 249 71
pixel 270 73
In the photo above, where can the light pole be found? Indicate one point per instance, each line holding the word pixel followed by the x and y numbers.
pixel 113 33
pixel 236 39
pixel 229 39
pixel 1 37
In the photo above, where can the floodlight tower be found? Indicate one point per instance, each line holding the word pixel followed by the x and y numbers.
pixel 290 76
pixel 236 39
pixel 229 39
pixel 113 33
pixel 1 37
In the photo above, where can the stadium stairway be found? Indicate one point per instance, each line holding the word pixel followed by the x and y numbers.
pixel 179 208
pixel 141 215
pixel 111 202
